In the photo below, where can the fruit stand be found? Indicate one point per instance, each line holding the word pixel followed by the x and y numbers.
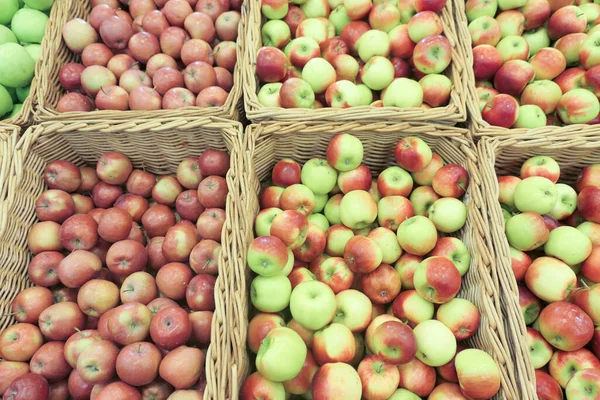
pixel 324 199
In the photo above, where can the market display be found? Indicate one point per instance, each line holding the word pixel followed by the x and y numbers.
pixel 536 62
pixel 150 55
pixel 355 285
pixel 22 28
pixel 125 267
pixel 320 53
pixel 554 235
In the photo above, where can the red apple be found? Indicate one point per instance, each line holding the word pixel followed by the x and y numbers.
pixel 170 327
pixel 210 223
pixel 28 386
pixel 60 320
pixel 182 378
pixel 62 175
pixel 137 363
pixel 172 280
pixel 29 304
pixel 157 220
pixel 19 342
pixel 49 362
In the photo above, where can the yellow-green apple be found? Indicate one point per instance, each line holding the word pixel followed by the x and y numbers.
pixel 529 304
pixel 506 189
pixel 478 374
pixel 448 214
pixel 387 241
pixel 345 152
pixel 592 231
pixel 359 339
pixel 315 8
pixel 592 12
pixel 564 364
pixel 513 48
pixel 589 176
pixel 578 106
pixel 432 55
pixel 569 45
pixel 290 227
pixel 486 61
pixel 461 316
pixel 334 343
pixel 589 55
pixel 394 342
pixel 299 275
pixel 356 179
pixel 264 219
pixel 566 326
pixel 270 293
pixel 259 326
pixel 403 394
pixel 339 17
pixel 357 9
pixel 477 8
pixel 379 379
pixel 403 93
pixel 267 255
pixel 502 110
pixel 319 74
pixel 526 231
pixel 548 63
pixel 335 273
pixel 256 386
pixel 447 391
pixel 401 45
pixel 346 67
pixel 422 198
pixel 362 254
pixel 332 209
pixel 313 246
pixel 407 10
pixel 59 321
pixel 436 89
pixel 296 93
pixel 424 24
pixel 536 13
pixel 354 310
pixel 535 194
pixel 336 380
pixel 313 304
pixel 512 22
pixel 281 355
pixel 394 181
pixel 19 342
pixel 373 43
pixel 545 94
pixel 302 383
pixel 406 266
pixel 297 197
pixel 337 237
pixel 546 387
pixel 539 349
pixel 417 235
pixel 485 30
pixel 96 364
pixel 381 285
pixel 384 16
pixel 417 377
pixel 513 76
pixel 451 180
pixel 587 299
pixel 550 279
pixel 29 304
pixel 530 116
pixel 584 384
pixel 568 244
pixel 412 154
pixel 572 78
pixel 301 50
pixel 392 210
pixel 275 33
pixel 353 31
pixel 377 73
pixel 424 177
pixel 357 209
pixel 588 203
pixel 568 19
pixel 273 9
pixel 342 94
pixel 437 280
pixel 436 345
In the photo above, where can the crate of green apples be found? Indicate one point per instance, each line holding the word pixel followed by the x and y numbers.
pixel 365 268
pixel 23 27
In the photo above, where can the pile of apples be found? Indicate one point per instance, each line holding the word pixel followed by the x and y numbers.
pixel 536 62
pixel 112 317
pixel 349 274
pixel 22 28
pixel 346 53
pixel 554 233
pixel 152 54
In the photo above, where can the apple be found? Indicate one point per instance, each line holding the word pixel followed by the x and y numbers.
pixel 342 94
pixel 424 24
pixel 20 342
pixel 96 363
pixel 502 110
pixel 587 177
pixel 417 227
pixel 170 327
pixel 29 304
pixel 535 194
pixel 379 379
pixel 436 344
pixel 550 279
pixel 273 9
pixel 422 198
pixel 394 181
pixel 337 379
pixel 354 310
pixel 587 203
pixel 362 254
pixel 263 289
pixel 49 362
pixel 312 304
pixel 28 386
pixel 530 116
pixel 97 296
pixel 485 30
pixel 335 343
pixel 564 364
pixel 357 209
pixel 394 342
pixel 478 374
pixel 451 180
pixel 296 93
pixel 259 326
pixel 578 106
pixel 11 370
pixel 335 273
pixel 129 323
pixel 566 326
pixel 417 377
pixel 126 257
pixel 182 378
pixel 281 355
pixel 477 8
pixel 545 94
pixel 571 78
pixel 530 305
pixel 568 19
pixel 568 244
pixel 546 386
pixel 267 255
pixel 256 386
pixel 540 350
pixel 461 316
pixel 526 231
pixel 583 384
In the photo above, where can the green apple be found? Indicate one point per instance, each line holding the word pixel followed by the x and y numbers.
pixel 526 231
pixel 274 9
pixel 290 264
pixel 404 394
pixel 16 66
pixel 41 5
pixel 506 214
pixel 354 310
pixel 315 8
pixel 584 385
pixel 337 237
pixel 566 203
pixel 318 176
pixel 537 39
pixel 357 209
pixel 417 235
pixel 332 209
pixel 568 244
pixel 319 74
pixel 403 93
pixel 281 355
pixel 478 8
pixel 268 95
pixel 275 33
pixel 536 194
pixel 29 25
pixel 34 50
pixel 313 304
pixel 16 110
pixel 13 93
pixel 511 4
pixel 339 18
pixel 270 294
pixel 345 152
pixel 539 349
pixel 436 345
pixel 513 48
pixel 448 214
pixel 6 35
pixel 377 73
pixel 8 8
pixel 478 374
pixel 320 201
pixel 455 250
pixel 23 93
pixel 366 95
pixel 6 101
pixel 388 243
pixel 319 220
pixel 373 43
pixel 530 116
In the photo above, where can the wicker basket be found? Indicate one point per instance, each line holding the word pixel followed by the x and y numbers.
pixel 454 112
pixel 47 60
pixel 50 90
pixel 267 143
pixel 479 126
pixel 149 146
pixel 504 156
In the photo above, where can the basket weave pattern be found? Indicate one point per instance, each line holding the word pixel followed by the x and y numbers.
pixel 455 111
pixel 50 90
pixel 158 147
pixel 267 143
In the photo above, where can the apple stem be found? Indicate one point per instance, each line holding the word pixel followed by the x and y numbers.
pixel 585 285
pixel 102 90
pixel 206 263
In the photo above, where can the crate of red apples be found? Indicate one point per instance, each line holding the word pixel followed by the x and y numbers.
pixel 112 56
pixel 113 266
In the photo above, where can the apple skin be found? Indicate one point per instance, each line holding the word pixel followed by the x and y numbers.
pixel 589 176
pixel 260 325
pixel 290 227
pixel 526 231
pixel 513 76
pixel 446 391
pixel 578 106
pixel 256 386
pixel 381 285
pixel 421 227
pixel 60 320
pixel 362 254
pixel 336 379
pixel 579 385
pixel 435 343
pixel 9 371
pixel 412 154
pixel 392 210
pixel 62 175
pixel 96 364
pixel 394 342
pixel 546 386
pixel 335 273
pixel 545 94
pixel 455 250
pixel 566 326
pixel 530 305
pixel 564 364
pixel 319 310
pixel 548 63
pixel 588 203
pixel 272 248
pixel 451 180
pixel 288 358
pixel 568 19
pixel 379 379
pixel 550 279
pixel 437 279
pixel 345 152
pixel 590 268
pixel 357 209
pixel 478 374
pixel 170 327
pixel 49 362
pixel 295 197
pixel 485 30
pixel 417 377
pixel 586 298
pixel 29 304
pixel 19 342
pixel 28 386
pixel 461 316
pixel 335 343
pixel 354 310
pixel 543 166
pixel 568 244
pixel 541 351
